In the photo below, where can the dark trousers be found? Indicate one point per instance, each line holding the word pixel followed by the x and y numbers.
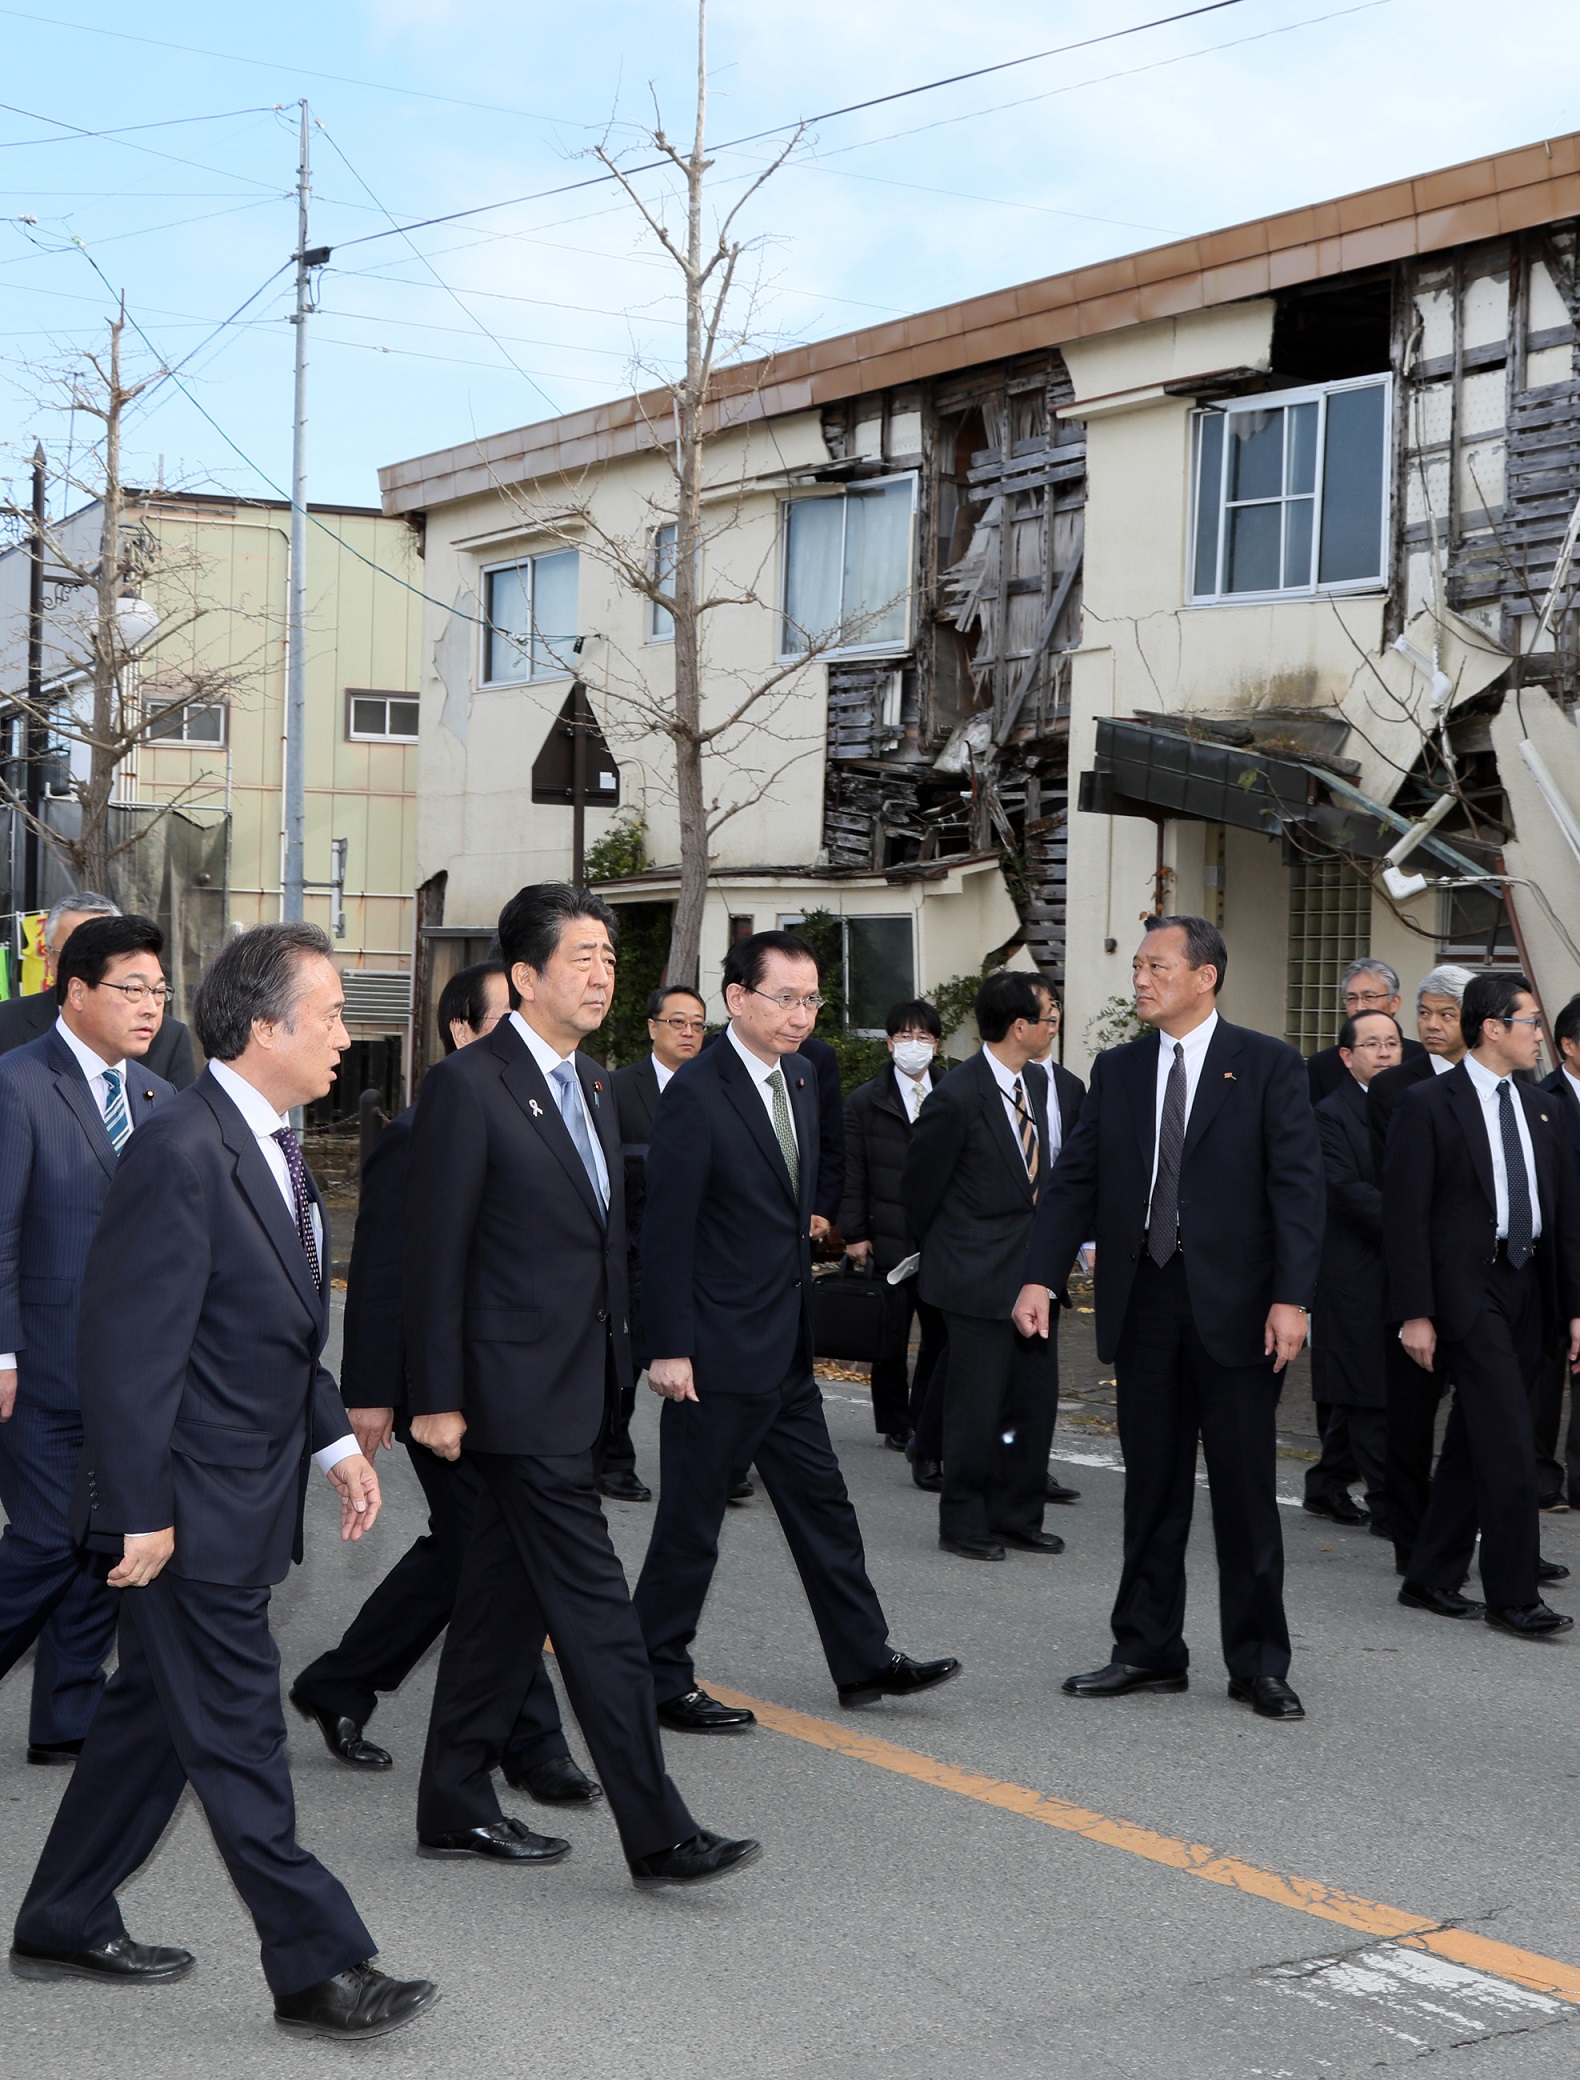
pixel 540 1561
pixel 411 1607
pixel 927 1404
pixel 617 1452
pixel 1354 1448
pixel 892 1387
pixel 701 1446
pixel 1547 1407
pixel 48 1592
pixel 1486 1474
pixel 1001 1400
pixel 1170 1393
pixel 1413 1397
pixel 195 1700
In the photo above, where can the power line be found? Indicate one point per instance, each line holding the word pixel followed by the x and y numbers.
pixel 17 144
pixel 598 180
pixel 77 135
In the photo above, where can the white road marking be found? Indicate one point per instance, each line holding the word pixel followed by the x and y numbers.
pixel 1413 1996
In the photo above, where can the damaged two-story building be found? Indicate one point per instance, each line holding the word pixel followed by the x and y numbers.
pixel 1198 579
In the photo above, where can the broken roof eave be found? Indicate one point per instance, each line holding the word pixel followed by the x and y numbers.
pixel 1482 198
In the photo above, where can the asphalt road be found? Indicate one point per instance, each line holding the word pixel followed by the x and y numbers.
pixel 926 1909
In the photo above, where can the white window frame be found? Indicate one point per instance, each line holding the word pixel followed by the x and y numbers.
pixel 384 736
pixel 531 676
pixel 897 646
pixel 655 613
pixel 1274 400
pixel 164 741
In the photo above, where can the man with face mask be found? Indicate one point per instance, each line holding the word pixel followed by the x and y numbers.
pixel 879 1117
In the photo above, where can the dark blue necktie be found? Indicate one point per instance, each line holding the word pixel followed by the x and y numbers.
pixel 1518 1244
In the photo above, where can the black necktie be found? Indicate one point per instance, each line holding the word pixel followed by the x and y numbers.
pixel 1164 1220
pixel 291 1149
pixel 1518 1244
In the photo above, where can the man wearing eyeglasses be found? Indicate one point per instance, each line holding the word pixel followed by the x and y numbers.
pixel 1481 1225
pixel 677 1022
pixel 1349 1374
pixel 69 1103
pixel 732 1183
pixel 27 1018
pixel 1365 985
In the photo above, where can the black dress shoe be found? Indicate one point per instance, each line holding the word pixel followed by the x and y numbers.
pixel 972 1548
pixel 902 1677
pixel 557 1782
pixel 928 1474
pixel 343 1737
pixel 1442 1603
pixel 503 1841
pixel 66 1752
pixel 1553 1503
pixel 623 1486
pixel 1032 1541
pixel 697 1862
pixel 897 1440
pixel 740 1491
pixel 356 2004
pixel 1119 1678
pixel 1546 1571
pixel 129 1963
pixel 1270 1697
pixel 696 1712
pixel 1338 1509
pixel 1536 1621
pixel 1056 1491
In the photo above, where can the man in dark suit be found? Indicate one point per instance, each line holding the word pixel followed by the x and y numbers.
pixel 411 1606
pixel 516 1343
pixel 1349 1380
pixel 1414 1391
pixel 68 1105
pixel 1197 1164
pixel 879 1118
pixel 1559 1485
pixel 1365 985
pixel 204 1311
pixel 23 1019
pixel 985 1144
pixel 1481 1218
pixel 677 1023
pixel 726 1255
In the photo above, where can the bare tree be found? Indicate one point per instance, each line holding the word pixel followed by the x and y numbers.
pixel 94 700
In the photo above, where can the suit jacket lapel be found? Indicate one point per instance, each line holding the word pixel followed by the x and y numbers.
pixel 806 1112
pixel 1213 1086
pixel 267 1200
pixel 528 1085
pixel 605 1114
pixel 1473 1125
pixel 1539 1110
pixel 73 1087
pixel 740 1089
pixel 1142 1069
pixel 1000 1132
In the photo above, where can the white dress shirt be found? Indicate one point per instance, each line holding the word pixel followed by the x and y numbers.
pixel 1440 1067
pixel 1487 1085
pixel 265 1123
pixel 1574 1084
pixel 548 1059
pixel 663 1075
pixel 913 1089
pixel 760 1072
pixel 1006 1079
pixel 1195 1043
pixel 93 1067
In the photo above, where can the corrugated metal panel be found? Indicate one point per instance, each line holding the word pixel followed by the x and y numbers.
pixel 377 997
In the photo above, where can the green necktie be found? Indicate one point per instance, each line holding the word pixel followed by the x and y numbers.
pixel 784 1130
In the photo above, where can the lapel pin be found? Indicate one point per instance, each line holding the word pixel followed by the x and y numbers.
pixel 150 1097
pixel 800 1083
pixel 1544 1118
pixel 534 1108
pixel 1228 1076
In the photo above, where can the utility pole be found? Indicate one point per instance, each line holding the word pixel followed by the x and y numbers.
pixel 35 731
pixel 295 818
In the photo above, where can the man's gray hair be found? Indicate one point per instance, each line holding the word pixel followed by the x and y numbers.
pixel 85 903
pixel 1371 967
pixel 1449 980
pixel 256 976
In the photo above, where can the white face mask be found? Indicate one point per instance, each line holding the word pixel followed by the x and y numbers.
pixel 913 1056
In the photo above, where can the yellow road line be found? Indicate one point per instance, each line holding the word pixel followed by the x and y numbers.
pixel 1195 1859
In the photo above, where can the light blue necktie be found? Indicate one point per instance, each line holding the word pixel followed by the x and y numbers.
pixel 117 1120
pixel 575 1120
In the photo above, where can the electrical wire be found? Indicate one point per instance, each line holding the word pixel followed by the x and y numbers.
pixel 16 144
pixel 75 134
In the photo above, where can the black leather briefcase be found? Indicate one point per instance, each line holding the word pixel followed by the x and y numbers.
pixel 847 1312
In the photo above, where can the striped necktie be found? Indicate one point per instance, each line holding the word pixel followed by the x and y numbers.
pixel 783 1130
pixel 117 1120
pixel 1026 1127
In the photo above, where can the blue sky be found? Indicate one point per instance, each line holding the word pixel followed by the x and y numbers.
pixel 431 106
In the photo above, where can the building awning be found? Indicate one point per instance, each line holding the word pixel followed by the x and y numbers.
pixel 1141 770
